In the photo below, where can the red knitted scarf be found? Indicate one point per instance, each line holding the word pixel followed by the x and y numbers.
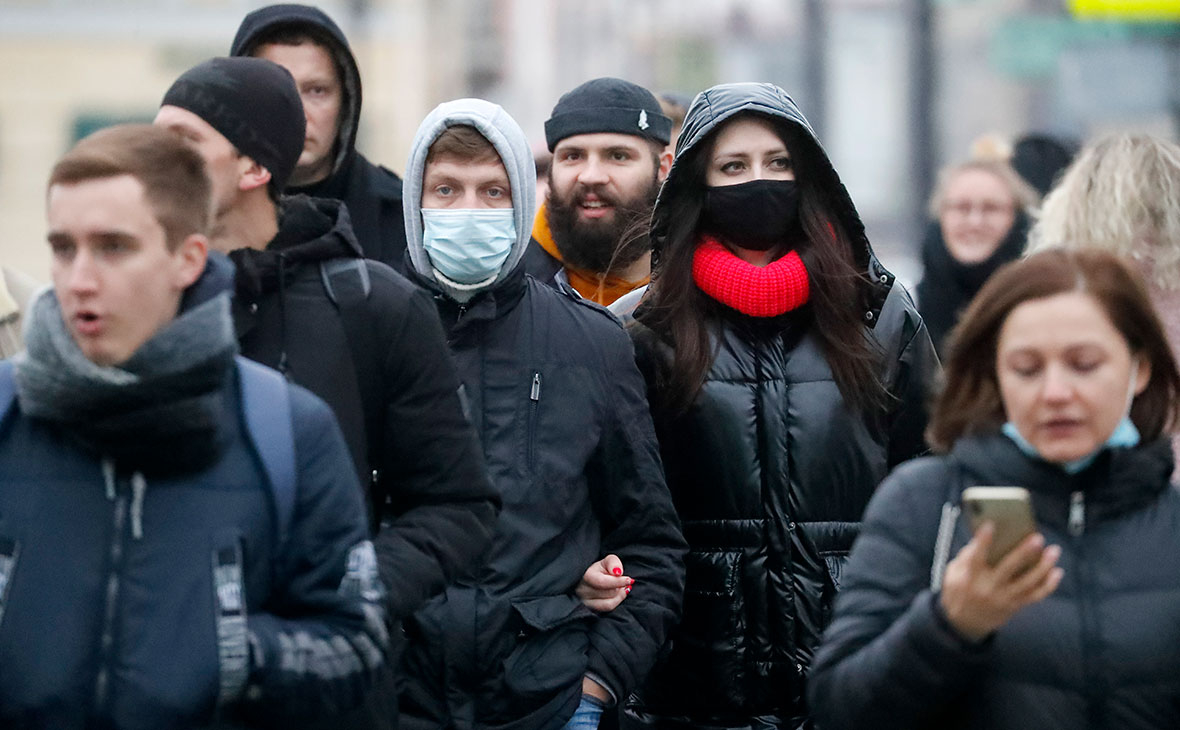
pixel 754 290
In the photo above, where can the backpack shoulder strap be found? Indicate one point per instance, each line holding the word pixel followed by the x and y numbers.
pixel 343 288
pixel 266 405
pixel 7 389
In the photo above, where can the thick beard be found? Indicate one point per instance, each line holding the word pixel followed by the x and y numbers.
pixel 602 247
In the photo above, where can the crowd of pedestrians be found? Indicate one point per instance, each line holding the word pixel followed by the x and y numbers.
pixel 294 442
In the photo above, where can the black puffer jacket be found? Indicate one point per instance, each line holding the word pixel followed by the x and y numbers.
pixel 770 471
pixel 391 384
pixel 372 193
pixel 1098 653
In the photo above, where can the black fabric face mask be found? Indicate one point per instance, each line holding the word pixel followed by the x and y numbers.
pixel 756 215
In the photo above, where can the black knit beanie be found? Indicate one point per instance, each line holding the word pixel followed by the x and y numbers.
pixel 608 105
pixel 253 103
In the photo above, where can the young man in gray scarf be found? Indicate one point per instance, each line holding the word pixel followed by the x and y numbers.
pixel 148 577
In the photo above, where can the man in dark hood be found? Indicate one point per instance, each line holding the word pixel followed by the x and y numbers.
pixel 350 330
pixel 305 41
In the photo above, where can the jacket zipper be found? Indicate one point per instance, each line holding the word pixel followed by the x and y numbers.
pixel 1091 629
pixel 534 404
pixel 107 646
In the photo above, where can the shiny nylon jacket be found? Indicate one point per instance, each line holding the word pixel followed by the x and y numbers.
pixel 769 469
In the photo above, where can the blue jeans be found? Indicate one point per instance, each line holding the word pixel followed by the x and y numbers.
pixel 587 715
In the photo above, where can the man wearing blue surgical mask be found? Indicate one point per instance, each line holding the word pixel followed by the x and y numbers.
pixel 550 383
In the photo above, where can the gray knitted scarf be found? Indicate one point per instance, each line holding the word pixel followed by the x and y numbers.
pixel 157 413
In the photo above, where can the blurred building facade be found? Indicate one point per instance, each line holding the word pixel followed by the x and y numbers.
pixel 856 68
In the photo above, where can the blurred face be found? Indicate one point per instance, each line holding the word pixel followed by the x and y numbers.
pixel 223 163
pixel 452 183
pixel 321 90
pixel 116 280
pixel 976 214
pixel 1064 372
pixel 748 149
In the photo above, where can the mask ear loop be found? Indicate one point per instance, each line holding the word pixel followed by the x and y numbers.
pixel 1131 386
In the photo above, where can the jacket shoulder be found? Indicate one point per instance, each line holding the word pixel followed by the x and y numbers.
pixel 592 311
pixel 378 180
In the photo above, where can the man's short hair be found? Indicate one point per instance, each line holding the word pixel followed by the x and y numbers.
pixel 463 142
pixel 172 173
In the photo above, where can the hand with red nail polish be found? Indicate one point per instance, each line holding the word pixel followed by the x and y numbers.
pixel 603 585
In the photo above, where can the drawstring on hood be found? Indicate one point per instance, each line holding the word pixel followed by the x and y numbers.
pixel 108 477
pixel 310 230
pixel 511 144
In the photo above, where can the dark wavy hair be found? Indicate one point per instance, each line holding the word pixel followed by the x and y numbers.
pixel 970 398
pixel 681 312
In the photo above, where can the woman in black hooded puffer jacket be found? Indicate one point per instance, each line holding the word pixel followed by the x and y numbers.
pixel 786 371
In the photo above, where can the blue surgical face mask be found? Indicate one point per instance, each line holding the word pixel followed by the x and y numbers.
pixel 468 246
pixel 1125 435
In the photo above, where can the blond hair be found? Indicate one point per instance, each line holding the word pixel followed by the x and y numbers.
pixel 1025 196
pixel 1122 195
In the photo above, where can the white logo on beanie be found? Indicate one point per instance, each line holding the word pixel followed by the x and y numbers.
pixel 643 119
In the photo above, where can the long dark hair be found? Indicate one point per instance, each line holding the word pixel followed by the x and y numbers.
pixel 680 311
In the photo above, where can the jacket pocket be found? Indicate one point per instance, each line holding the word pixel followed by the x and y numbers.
pixel 9 553
pixel 229 601
pixel 705 669
pixel 551 652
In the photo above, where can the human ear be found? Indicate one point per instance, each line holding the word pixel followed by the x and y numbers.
pixel 192 253
pixel 253 175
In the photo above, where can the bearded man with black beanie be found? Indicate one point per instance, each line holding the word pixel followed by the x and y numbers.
pixel 608 140
pixel 351 330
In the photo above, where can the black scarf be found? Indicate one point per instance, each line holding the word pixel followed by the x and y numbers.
pixel 948 286
pixel 159 412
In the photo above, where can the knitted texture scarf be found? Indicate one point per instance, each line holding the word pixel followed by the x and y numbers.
pixel 158 412
pixel 757 291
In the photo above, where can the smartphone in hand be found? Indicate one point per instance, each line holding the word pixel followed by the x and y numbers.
pixel 1008 508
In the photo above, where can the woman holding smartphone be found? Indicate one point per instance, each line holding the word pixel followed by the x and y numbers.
pixel 787 372
pixel 1060 380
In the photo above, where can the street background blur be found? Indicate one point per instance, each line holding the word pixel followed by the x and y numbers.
pixel 895 88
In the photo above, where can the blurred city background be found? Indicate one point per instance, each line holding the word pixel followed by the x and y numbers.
pixel 895 88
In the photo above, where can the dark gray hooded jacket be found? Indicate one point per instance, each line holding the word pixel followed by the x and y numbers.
pixel 553 391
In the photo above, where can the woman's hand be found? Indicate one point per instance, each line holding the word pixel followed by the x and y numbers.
pixel 603 585
pixel 978 598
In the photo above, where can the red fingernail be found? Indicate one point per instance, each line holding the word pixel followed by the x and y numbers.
pixel 632 582
pixel 618 571
pixel 628 590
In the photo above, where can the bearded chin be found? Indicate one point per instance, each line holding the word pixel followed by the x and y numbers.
pixel 601 246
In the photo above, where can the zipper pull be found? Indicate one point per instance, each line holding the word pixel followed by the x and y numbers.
pixel 535 393
pixel 462 311
pixel 1077 513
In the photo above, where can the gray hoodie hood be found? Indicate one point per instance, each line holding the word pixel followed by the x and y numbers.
pixel 511 144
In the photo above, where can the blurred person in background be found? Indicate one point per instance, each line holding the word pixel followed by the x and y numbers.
pixel 787 372
pixel 675 106
pixel 1040 158
pixel 1122 195
pixel 150 576
pixel 980 212
pixel 305 41
pixel 1059 379
pixel 551 381
pixel 608 139
pixel 349 329
pixel 16 291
